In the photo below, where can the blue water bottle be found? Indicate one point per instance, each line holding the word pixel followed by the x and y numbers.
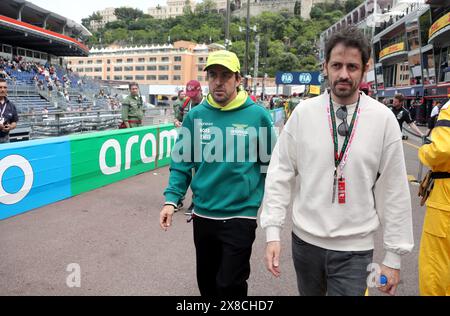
pixel 383 280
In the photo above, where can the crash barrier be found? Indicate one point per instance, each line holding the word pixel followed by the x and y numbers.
pixel 40 172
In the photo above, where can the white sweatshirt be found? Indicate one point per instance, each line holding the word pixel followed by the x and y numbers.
pixel 377 190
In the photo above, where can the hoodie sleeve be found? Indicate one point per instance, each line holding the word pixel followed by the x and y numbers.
pixel 279 182
pixel 392 198
pixel 181 163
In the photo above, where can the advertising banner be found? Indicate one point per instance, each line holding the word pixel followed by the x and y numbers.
pixel 40 172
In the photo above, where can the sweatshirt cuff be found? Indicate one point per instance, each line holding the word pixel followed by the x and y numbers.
pixel 392 260
pixel 273 233
pixel 172 199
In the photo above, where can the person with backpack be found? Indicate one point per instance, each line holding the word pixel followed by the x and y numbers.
pixel 193 97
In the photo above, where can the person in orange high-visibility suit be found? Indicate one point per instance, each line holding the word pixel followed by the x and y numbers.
pixel 434 256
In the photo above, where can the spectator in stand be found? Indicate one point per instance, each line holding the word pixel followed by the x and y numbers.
pixel 44 113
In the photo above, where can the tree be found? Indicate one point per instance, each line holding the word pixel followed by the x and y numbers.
pixel 128 14
pixel 351 4
pixel 297 9
pixel 187 8
pixel 316 13
pixel 206 6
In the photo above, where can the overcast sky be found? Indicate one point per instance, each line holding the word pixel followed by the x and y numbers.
pixel 78 9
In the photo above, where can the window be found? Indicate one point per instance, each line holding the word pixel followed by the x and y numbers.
pixel 98 61
pixel 98 77
pixel 89 62
pixel 200 68
pixel 129 60
pixel 151 77
pixel 152 59
pixel 139 77
pixel 118 61
pixel 117 68
pixel 108 77
pixel 141 60
pixel 200 78
pixel 98 69
pixel 165 67
pixel 177 67
pixel 88 69
pixel 108 61
pixel 151 67
pixel 108 68
pixel 177 58
pixel 176 77
pixel 128 77
pixel 80 70
pixel 128 68
pixel 201 60
pixel 117 77
pixel 139 68
pixel 80 62
pixel 29 53
pixel 165 59
pixel 163 77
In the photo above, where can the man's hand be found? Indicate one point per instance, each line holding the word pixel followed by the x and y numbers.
pixel 393 278
pixel 272 257
pixel 177 123
pixel 165 216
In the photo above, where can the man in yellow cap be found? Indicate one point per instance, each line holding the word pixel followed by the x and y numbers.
pixel 434 255
pixel 228 140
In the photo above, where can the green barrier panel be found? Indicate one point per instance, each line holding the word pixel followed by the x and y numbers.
pixel 102 158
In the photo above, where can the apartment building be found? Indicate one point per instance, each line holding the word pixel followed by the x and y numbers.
pixel 107 16
pixel 164 64
pixel 173 9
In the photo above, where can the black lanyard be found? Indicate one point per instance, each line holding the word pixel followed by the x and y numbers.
pixel 338 156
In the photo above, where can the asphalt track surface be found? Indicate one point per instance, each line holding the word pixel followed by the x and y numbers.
pixel 113 234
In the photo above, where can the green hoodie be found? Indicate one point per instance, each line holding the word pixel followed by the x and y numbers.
pixel 227 183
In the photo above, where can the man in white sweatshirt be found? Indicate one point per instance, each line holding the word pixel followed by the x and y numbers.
pixel 340 161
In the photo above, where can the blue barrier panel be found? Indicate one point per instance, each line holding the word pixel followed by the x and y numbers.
pixel 33 174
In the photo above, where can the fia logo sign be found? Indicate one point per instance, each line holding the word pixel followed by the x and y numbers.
pixel 287 78
pixel 305 78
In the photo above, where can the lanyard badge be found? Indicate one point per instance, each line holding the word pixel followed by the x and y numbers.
pixel 341 190
pixel 340 159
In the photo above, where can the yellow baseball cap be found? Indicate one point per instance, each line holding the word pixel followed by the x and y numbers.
pixel 225 58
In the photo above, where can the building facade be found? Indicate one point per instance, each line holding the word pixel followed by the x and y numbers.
pixel 107 16
pixel 412 53
pixel 172 64
pixel 259 6
pixel 173 9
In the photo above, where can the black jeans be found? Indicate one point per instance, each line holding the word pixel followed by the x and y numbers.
pixel 327 272
pixel 223 250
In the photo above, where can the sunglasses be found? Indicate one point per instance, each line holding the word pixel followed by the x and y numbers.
pixel 341 114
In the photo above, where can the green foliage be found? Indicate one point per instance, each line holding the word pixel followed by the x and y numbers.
pixel 128 14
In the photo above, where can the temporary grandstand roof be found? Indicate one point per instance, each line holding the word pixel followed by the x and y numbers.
pixel 27 25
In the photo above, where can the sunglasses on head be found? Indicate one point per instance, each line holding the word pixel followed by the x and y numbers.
pixel 341 114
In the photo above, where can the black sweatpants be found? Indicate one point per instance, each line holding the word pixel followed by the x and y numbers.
pixel 223 250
